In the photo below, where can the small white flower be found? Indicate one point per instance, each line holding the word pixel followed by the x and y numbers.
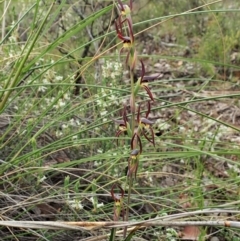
pixel 72 122
pixel 182 129
pixel 64 126
pixel 112 75
pixel 100 205
pixel 103 113
pixel 61 103
pixel 74 138
pixel 45 81
pixel 92 200
pixel 42 89
pixel 76 204
pixel 42 179
pixel 111 69
pixel 96 163
pixel 58 133
pixel 95 203
pixel 66 96
pixel 48 101
pixel 59 78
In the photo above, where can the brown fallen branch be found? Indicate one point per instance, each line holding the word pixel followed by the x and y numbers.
pixel 167 221
pixel 90 226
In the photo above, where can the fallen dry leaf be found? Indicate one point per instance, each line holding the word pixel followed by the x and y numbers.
pixel 190 233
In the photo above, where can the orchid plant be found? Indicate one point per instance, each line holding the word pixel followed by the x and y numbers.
pixel 132 124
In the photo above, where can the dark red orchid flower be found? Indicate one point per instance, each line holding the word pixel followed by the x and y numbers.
pixel 129 39
pixel 136 141
pixel 145 124
pixel 133 162
pixel 144 81
pixel 135 153
pixel 118 201
pixel 122 124
pixel 117 196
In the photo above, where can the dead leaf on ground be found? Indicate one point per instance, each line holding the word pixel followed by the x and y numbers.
pixel 190 233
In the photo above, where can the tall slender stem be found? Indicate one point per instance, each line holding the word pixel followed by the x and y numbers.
pixel 130 178
pixel 132 100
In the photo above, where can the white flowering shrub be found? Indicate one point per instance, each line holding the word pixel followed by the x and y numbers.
pixel 110 97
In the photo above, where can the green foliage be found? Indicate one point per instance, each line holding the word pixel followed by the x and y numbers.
pixel 220 40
